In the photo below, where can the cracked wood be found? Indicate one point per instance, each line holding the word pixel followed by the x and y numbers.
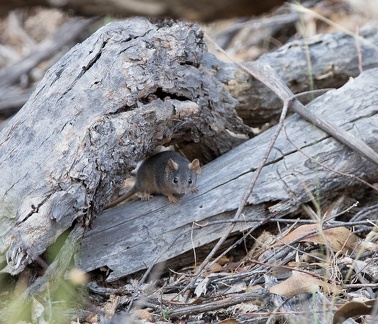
pixel 103 106
pixel 134 236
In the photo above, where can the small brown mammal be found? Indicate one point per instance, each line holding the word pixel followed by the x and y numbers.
pixel 167 173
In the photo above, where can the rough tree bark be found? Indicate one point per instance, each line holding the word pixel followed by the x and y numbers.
pixel 334 59
pixel 322 61
pixel 109 102
pixel 129 87
pixel 137 235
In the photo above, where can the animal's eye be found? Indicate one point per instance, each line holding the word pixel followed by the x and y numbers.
pixel 175 180
pixel 190 181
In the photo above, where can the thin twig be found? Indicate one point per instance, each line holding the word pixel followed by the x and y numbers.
pixel 358 47
pixel 230 300
pixel 269 77
pixel 301 9
pixel 247 193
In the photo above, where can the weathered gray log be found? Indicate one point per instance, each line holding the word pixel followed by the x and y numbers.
pixel 334 59
pixel 86 125
pixel 201 10
pixel 134 236
pixel 109 101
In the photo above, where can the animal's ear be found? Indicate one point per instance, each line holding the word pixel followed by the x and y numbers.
pixel 195 166
pixel 171 165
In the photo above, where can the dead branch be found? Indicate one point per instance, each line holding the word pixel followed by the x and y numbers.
pixel 232 299
pixel 334 60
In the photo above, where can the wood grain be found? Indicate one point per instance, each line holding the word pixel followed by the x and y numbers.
pixel 134 236
pixel 103 106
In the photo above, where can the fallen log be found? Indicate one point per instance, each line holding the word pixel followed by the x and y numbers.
pixel 131 86
pixel 305 161
pixel 331 59
pixel 334 61
pixel 109 101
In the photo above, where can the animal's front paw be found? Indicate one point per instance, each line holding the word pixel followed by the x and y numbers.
pixel 172 199
pixel 194 189
pixel 145 196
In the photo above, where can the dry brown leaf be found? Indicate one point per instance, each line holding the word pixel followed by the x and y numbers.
pixel 301 283
pixel 216 267
pixel 352 309
pixel 144 314
pixel 252 288
pixel 111 306
pixel 92 318
pixel 224 260
pixel 338 238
